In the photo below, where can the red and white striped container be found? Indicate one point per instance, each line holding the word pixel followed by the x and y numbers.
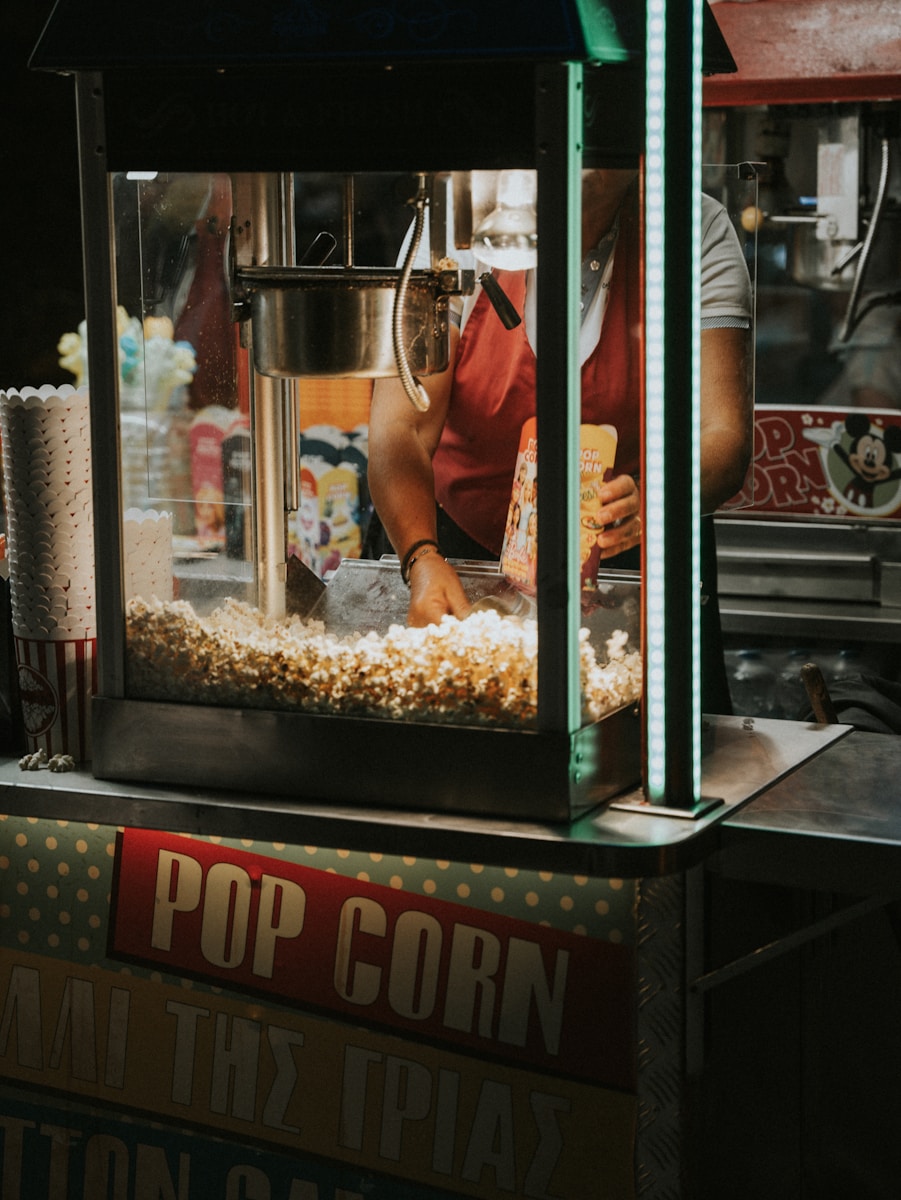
pixel 46 459
pixel 57 678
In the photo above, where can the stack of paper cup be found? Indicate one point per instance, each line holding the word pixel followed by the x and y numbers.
pixel 148 554
pixel 50 544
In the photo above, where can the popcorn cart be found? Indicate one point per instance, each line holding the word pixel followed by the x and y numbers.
pixel 206 163
pixel 444 875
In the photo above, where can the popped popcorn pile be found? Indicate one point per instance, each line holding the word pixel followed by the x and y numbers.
pixel 38 759
pixel 479 671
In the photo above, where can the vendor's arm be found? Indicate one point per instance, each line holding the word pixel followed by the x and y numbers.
pixel 727 413
pixel 402 441
pixel 727 435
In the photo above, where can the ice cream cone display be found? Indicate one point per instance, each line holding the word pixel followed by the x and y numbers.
pixel 153 366
pixel 50 546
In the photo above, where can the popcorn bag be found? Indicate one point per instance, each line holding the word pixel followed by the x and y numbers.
pixel 208 431
pixel 597 452
pixel 50 546
pixel 519 555
pixel 328 522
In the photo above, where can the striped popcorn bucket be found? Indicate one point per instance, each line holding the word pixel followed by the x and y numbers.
pixel 46 457
pixel 57 678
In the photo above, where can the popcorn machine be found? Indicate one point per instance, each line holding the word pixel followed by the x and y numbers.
pixel 251 674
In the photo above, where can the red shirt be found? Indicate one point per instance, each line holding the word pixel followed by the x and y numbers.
pixel 493 395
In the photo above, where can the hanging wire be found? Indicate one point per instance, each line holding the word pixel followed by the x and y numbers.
pixel 416 393
pixel 853 317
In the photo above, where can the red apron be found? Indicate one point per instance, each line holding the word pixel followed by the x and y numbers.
pixel 493 395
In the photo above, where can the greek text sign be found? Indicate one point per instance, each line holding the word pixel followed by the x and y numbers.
pixel 310 1086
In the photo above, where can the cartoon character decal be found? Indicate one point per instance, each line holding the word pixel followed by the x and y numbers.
pixel 870 457
pixel 858 459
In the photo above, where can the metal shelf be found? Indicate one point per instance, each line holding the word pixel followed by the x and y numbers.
pixel 784 617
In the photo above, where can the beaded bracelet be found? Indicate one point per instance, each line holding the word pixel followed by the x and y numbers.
pixel 409 558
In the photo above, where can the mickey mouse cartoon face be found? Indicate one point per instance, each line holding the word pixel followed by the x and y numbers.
pixel 870 454
pixel 869 457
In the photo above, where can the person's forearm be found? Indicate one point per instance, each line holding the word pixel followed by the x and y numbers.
pixel 727 413
pixel 725 456
pixel 401 445
pixel 402 486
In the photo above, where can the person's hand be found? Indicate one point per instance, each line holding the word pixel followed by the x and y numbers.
pixel 435 591
pixel 619 516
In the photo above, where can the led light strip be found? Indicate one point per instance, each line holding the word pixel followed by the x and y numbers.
pixel 697 154
pixel 655 414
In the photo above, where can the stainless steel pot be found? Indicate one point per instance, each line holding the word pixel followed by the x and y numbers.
pixel 335 322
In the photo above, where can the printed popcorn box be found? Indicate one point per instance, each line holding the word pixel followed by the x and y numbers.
pixel 328 520
pixel 824 462
pixel 519 555
pixel 208 431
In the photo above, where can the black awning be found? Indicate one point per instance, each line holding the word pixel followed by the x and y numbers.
pixel 224 34
pixel 171 33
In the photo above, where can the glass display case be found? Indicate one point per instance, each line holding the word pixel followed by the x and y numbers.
pixel 249 616
pixel 201 627
pixel 222 273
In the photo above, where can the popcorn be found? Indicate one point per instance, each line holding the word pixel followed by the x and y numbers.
pixel 481 671
pixel 39 759
pixel 33 762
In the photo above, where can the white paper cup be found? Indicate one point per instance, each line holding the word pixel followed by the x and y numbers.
pixel 50 537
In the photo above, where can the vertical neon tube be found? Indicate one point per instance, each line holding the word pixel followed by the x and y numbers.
pixel 697 154
pixel 654 476
pixel 670 131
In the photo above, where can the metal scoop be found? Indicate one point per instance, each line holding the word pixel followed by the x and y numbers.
pixel 511 603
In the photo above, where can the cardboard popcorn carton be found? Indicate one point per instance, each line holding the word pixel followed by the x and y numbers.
pixel 328 520
pixel 597 453
pixel 208 430
pixel 519 555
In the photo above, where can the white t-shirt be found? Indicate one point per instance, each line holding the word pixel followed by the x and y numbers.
pixel 726 298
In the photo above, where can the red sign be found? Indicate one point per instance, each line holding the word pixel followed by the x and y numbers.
pixel 825 462
pixel 509 989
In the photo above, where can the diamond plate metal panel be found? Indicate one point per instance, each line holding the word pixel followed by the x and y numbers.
pixel 661 1024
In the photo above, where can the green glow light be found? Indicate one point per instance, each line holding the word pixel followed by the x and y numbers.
pixel 654 476
pixel 657 286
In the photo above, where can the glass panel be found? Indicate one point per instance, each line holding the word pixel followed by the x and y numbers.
pixel 184 400
pixel 735 187
pixel 201 627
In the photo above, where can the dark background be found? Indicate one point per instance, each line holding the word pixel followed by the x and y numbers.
pixel 39 205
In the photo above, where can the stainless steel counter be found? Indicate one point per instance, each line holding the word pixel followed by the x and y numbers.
pixel 742 758
pixel 834 825
pixel 810 578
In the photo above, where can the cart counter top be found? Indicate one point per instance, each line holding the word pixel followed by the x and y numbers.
pixel 835 825
pixel 743 759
